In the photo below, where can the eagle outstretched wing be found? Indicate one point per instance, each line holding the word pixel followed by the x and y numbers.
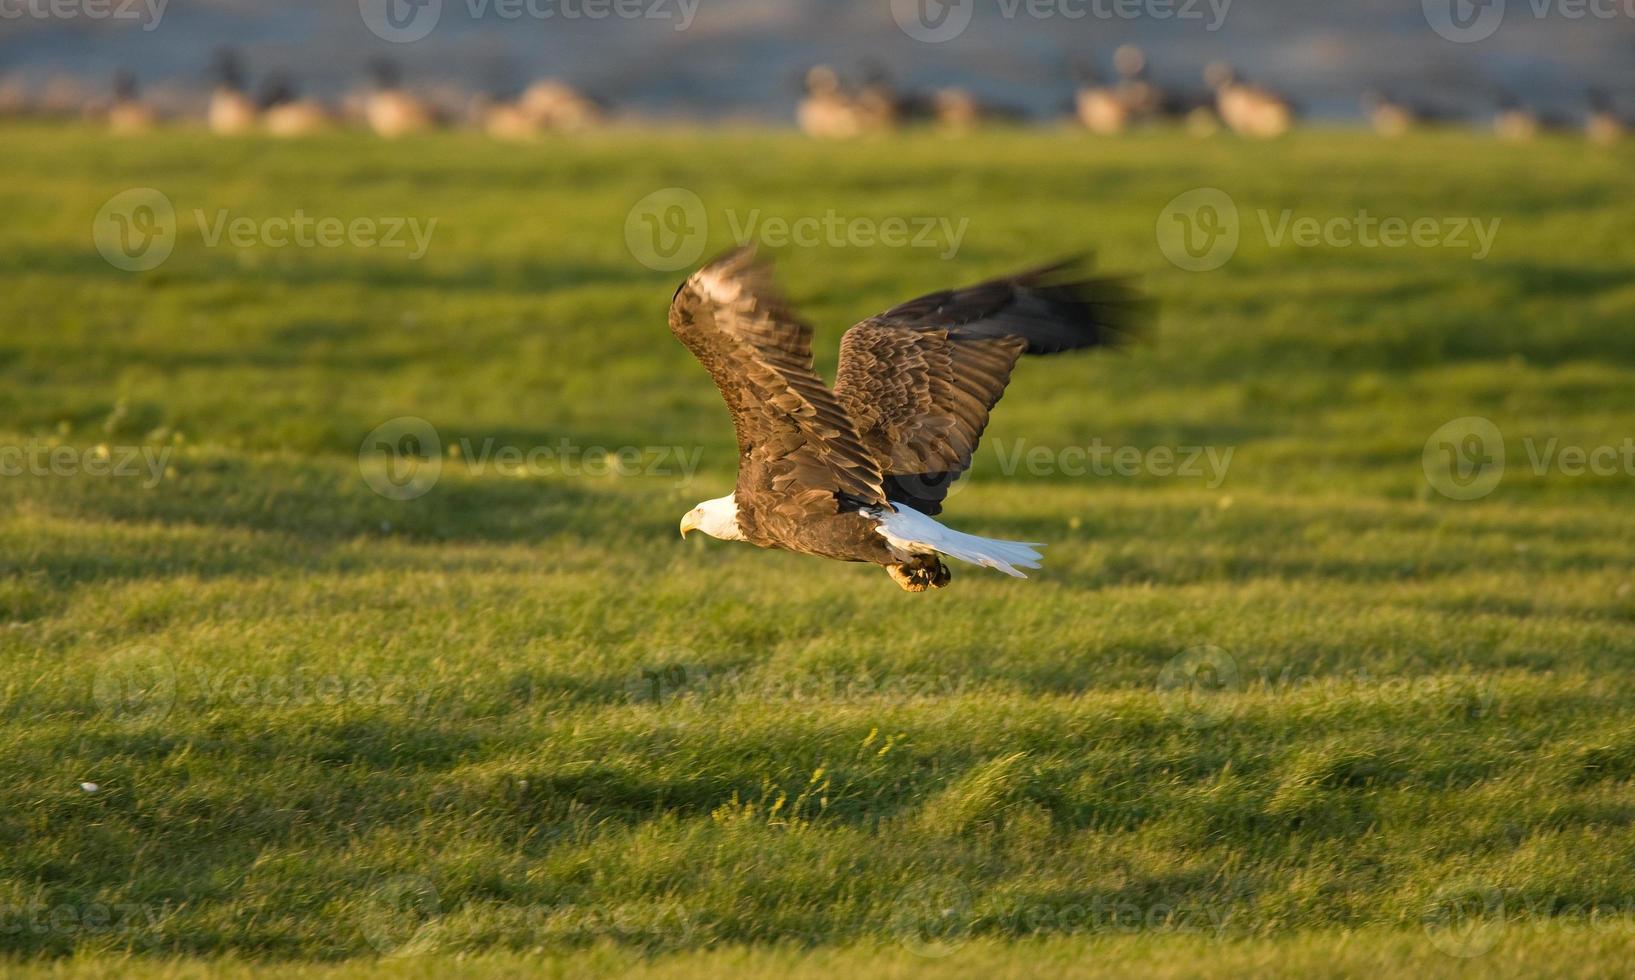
pixel 919 381
pixel 794 437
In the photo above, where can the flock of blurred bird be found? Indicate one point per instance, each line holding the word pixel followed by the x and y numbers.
pixel 830 107
pixel 233 107
pixel 1131 98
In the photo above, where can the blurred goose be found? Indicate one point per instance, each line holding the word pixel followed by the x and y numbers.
pixel 392 112
pixel 128 113
pixel 231 111
pixel 1392 117
pixel 502 119
pixel 65 96
pixel 1100 108
pixel 1389 117
pixel 884 105
pixel 1147 101
pixel 557 105
pixel 826 111
pixel 1247 109
pixel 1604 125
pixel 1202 120
pixel 957 110
pixel 1518 123
pixel 14 97
pixel 285 114
pixel 1135 87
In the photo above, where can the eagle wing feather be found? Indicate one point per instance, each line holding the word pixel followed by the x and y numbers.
pixel 794 436
pixel 920 380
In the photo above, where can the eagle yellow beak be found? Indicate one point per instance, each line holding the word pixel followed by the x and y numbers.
pixel 688 524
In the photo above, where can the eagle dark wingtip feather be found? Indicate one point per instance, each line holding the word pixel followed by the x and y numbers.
pixel 1058 308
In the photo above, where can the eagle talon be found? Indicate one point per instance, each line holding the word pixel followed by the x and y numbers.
pixel 921 574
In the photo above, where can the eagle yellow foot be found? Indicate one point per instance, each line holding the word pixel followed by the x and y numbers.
pixel 921 574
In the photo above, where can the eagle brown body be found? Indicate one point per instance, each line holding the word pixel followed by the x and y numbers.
pixel 819 468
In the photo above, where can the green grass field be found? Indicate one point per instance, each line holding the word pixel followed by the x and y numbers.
pixel 1303 713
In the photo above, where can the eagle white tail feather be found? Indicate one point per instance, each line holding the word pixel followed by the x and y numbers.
pixel 910 531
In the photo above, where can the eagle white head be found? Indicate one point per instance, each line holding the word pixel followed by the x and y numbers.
pixel 718 518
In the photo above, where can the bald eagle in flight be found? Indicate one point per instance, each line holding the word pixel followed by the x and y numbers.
pixel 857 472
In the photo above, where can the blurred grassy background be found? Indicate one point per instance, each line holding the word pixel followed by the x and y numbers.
pixel 518 715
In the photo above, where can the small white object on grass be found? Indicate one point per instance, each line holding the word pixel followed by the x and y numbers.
pixel 90 787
